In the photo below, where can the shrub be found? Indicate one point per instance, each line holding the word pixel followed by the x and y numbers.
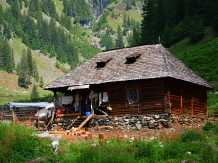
pixel 207 153
pixel 208 126
pixel 145 149
pixel 191 135
pixel 17 144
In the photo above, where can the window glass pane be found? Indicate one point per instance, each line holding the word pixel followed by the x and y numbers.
pixel 135 95
pixel 132 96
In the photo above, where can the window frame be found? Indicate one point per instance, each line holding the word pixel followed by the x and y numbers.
pixel 133 91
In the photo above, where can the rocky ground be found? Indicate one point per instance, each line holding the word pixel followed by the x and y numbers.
pixel 143 134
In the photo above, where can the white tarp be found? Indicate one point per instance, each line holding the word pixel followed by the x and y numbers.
pixel 78 87
pixel 31 104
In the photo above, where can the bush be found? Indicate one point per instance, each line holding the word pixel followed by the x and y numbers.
pixel 208 126
pixel 145 150
pixel 207 153
pixel 17 144
pixel 190 136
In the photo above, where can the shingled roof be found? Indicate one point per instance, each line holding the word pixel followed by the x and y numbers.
pixel 151 61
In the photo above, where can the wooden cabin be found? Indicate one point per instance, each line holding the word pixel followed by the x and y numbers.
pixel 139 80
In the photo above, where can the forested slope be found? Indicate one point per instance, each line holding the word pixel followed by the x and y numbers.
pixel 58 35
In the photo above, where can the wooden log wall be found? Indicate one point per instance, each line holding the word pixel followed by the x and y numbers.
pixel 117 98
pixel 187 98
pixel 151 97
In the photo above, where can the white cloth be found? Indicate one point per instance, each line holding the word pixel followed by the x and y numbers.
pixel 92 95
pixel 100 100
pixel 67 99
pixel 77 97
pixel 105 97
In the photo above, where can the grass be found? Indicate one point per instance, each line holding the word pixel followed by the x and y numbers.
pixel 59 5
pixel 17 145
pixel 202 58
pixel 191 145
pixel 10 91
pixel 4 4
pixel 119 9
pixel 184 46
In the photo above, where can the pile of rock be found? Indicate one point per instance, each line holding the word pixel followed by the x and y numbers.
pixel 152 121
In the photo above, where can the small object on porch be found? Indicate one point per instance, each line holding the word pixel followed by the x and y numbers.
pixel 109 108
pixel 88 113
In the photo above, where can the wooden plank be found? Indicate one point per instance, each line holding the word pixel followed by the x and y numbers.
pixel 69 115
pixel 84 122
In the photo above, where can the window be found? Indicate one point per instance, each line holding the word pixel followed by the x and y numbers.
pixel 132 95
pixel 101 63
pixel 132 58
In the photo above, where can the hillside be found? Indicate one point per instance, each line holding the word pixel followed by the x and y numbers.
pixel 63 34
pixel 84 38
pixel 202 58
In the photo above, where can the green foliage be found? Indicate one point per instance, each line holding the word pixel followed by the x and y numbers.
pixel 119 40
pixel 146 149
pixel 41 82
pixel 207 154
pixel 105 153
pixel 34 94
pixel 208 126
pixel 103 20
pixel 128 6
pixel 27 69
pixel 199 58
pixel 124 151
pixel 6 56
pixel 107 41
pixel 78 9
pixel 176 20
pixel 190 136
pixel 61 67
pixel 48 7
pixel 17 144
pixel 197 29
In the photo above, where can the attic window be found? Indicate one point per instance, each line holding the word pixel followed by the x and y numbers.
pixel 132 58
pixel 102 63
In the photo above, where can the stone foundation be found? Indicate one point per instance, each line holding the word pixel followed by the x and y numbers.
pixel 136 122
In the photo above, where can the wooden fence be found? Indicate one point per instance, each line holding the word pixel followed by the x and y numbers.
pixel 21 117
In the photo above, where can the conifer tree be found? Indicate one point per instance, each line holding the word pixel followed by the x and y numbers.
pixel 29 62
pixel 35 73
pixel 119 41
pixel 6 56
pixel 34 93
pixel 124 21
pixel 23 76
pixel 41 82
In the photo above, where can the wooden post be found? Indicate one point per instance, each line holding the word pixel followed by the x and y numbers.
pixel 181 107
pixel 88 137
pixel 192 106
pixel 38 120
pixel 13 116
pixel 101 136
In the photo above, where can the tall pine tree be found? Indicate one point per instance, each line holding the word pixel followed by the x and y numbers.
pixel 119 40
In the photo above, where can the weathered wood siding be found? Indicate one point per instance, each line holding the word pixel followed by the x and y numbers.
pixel 117 98
pixel 151 97
pixel 187 98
